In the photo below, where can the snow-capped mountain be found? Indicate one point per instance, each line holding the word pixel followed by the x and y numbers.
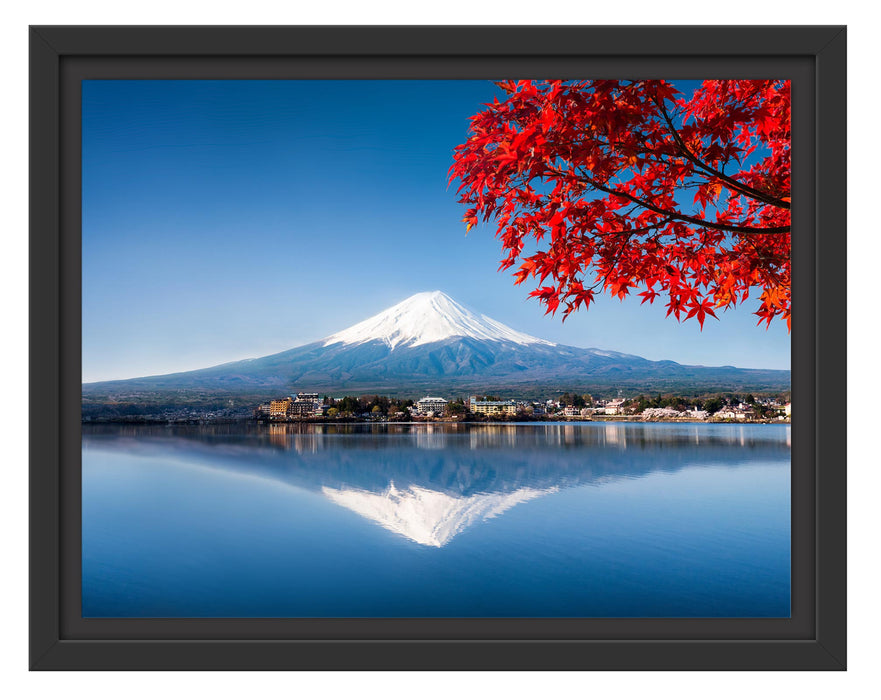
pixel 429 317
pixel 431 343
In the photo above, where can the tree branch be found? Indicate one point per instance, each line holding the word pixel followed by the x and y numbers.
pixel 630 232
pixel 703 223
pixel 735 185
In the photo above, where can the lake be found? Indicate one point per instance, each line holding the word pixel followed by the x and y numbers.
pixel 607 519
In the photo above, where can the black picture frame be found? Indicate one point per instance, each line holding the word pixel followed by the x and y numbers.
pixel 813 57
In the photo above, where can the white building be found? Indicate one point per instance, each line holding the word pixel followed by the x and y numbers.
pixel 736 413
pixel 490 408
pixel 431 404
pixel 613 408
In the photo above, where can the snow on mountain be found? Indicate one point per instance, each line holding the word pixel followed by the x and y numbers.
pixel 425 318
pixel 430 343
pixel 425 516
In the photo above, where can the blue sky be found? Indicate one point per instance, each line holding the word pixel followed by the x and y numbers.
pixel 233 219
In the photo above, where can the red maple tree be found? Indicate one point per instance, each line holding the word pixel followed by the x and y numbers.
pixel 617 186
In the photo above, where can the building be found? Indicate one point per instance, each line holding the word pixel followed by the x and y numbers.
pixel 736 413
pixel 279 408
pixel 431 404
pixel 613 408
pixel 307 405
pixel 493 408
pixel 304 406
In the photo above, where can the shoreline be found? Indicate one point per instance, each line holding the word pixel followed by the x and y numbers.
pixel 360 421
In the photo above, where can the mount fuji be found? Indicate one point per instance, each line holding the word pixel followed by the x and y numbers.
pixel 429 317
pixel 431 343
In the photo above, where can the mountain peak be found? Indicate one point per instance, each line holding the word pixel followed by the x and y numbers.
pixel 428 317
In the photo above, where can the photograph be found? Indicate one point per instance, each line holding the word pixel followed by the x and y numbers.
pixel 425 348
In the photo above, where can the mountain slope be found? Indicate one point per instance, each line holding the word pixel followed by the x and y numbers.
pixel 430 343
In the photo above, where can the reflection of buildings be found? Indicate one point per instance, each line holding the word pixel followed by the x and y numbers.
pixel 614 435
pixel 291 436
pixel 429 439
pixel 278 436
pixel 499 436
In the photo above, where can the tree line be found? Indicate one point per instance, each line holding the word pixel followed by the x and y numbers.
pixel 368 403
pixel 710 404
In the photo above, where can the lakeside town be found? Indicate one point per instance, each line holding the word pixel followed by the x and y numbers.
pixel 567 406
pixel 308 406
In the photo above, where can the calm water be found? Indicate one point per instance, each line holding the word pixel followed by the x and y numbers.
pixel 534 520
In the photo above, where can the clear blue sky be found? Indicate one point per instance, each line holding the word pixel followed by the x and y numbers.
pixel 233 219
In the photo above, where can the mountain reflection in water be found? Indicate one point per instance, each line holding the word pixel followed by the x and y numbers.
pixel 429 483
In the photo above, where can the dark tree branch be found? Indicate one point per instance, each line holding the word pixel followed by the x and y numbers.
pixel 679 216
pixel 632 231
pixel 735 185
